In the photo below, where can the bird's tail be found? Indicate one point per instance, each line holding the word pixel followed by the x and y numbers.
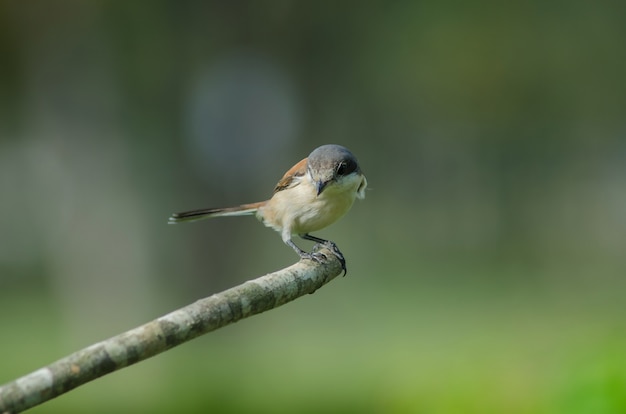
pixel 194 215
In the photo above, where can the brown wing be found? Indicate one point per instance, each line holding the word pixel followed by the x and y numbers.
pixel 289 179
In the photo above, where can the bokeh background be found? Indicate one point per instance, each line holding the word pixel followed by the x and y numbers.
pixel 486 264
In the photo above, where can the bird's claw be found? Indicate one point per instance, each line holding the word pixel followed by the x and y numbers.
pixel 335 250
pixel 315 256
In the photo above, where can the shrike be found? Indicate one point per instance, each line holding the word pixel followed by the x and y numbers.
pixel 313 194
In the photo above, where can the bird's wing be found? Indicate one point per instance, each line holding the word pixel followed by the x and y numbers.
pixel 292 177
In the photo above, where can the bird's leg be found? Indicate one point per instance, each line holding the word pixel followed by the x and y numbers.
pixel 332 246
pixel 315 256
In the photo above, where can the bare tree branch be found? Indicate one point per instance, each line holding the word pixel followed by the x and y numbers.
pixel 205 315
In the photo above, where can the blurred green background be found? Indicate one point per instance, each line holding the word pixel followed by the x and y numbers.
pixel 486 264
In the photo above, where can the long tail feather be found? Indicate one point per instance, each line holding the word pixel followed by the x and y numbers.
pixel 205 213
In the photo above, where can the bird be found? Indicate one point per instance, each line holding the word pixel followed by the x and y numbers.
pixel 313 194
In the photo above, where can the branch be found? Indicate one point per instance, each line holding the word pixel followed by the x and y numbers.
pixel 205 315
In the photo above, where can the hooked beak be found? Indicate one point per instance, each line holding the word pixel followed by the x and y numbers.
pixel 320 185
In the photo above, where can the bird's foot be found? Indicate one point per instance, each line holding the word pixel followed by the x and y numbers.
pixel 315 256
pixel 335 250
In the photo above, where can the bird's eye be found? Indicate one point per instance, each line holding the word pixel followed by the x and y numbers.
pixel 346 167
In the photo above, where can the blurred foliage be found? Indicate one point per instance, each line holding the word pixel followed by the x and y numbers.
pixel 486 263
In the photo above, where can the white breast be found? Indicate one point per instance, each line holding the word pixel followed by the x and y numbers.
pixel 299 210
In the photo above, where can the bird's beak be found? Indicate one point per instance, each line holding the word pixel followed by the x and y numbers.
pixel 320 185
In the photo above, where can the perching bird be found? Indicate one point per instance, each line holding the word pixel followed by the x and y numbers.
pixel 313 194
